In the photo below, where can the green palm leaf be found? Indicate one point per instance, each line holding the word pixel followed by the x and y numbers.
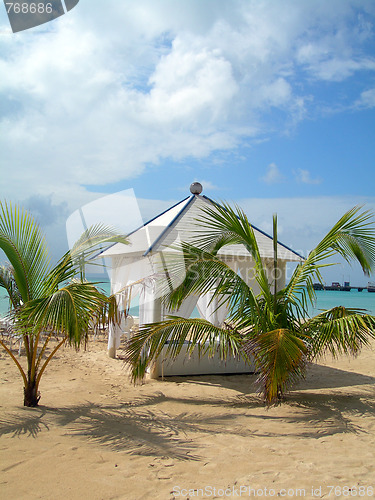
pixel 87 246
pixel 49 300
pixel 280 356
pixel 69 310
pixel 339 330
pixel 146 345
pixel 352 237
pixel 204 272
pixel 8 282
pixel 25 247
pixel 272 325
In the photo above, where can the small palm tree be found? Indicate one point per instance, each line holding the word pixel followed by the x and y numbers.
pixel 272 327
pixel 46 300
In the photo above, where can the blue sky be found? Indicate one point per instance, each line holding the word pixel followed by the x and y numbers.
pixel 269 104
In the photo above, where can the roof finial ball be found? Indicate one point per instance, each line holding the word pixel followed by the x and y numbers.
pixel 196 188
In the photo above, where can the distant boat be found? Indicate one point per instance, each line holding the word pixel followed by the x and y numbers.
pixel 371 286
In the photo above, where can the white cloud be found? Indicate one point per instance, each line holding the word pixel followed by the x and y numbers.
pixel 109 90
pixel 367 99
pixel 306 218
pixel 303 222
pixel 324 59
pixel 44 210
pixel 304 176
pixel 191 85
pixel 273 175
pixel 208 185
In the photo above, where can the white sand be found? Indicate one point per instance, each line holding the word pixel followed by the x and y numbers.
pixel 96 436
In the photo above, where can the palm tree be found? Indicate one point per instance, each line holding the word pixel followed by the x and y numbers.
pixel 272 327
pixel 46 300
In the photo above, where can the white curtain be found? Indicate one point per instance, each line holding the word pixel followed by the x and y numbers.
pixel 247 273
pixel 128 270
pixel 147 298
pixel 115 331
pixel 125 272
pixel 208 306
pixel 150 309
pixel 186 308
pixel 209 309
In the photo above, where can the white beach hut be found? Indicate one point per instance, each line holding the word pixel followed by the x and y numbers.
pixel 135 268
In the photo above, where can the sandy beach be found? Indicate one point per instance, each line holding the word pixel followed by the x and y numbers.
pixel 97 436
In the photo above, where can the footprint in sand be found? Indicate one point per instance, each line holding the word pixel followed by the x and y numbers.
pixel 162 467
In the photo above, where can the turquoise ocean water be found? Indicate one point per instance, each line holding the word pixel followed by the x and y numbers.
pixel 325 299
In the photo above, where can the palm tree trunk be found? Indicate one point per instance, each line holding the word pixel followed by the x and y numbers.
pixel 30 390
pixel 31 393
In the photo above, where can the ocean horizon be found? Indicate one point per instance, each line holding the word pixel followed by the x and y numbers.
pixel 325 299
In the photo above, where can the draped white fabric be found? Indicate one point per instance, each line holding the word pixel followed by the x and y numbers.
pixel 147 299
pixel 140 272
pixel 150 252
pixel 186 308
pixel 212 308
pixel 125 272
pixel 150 310
pixel 114 331
pixel 208 307
pixel 246 271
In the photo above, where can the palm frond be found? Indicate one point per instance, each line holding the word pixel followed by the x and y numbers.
pixel 280 357
pixel 73 262
pixel 218 227
pixel 25 247
pixel 8 282
pixel 339 330
pixel 175 332
pixel 222 225
pixel 355 238
pixel 69 311
pixel 352 237
pixel 97 234
pixel 204 272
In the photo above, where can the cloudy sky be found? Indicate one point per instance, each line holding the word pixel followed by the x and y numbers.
pixel 269 104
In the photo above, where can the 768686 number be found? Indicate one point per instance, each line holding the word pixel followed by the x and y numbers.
pixel 29 8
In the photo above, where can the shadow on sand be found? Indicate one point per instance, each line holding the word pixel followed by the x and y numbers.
pixel 143 426
pixel 318 377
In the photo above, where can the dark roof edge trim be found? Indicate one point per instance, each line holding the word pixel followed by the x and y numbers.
pixel 260 230
pixel 143 225
pixel 173 221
